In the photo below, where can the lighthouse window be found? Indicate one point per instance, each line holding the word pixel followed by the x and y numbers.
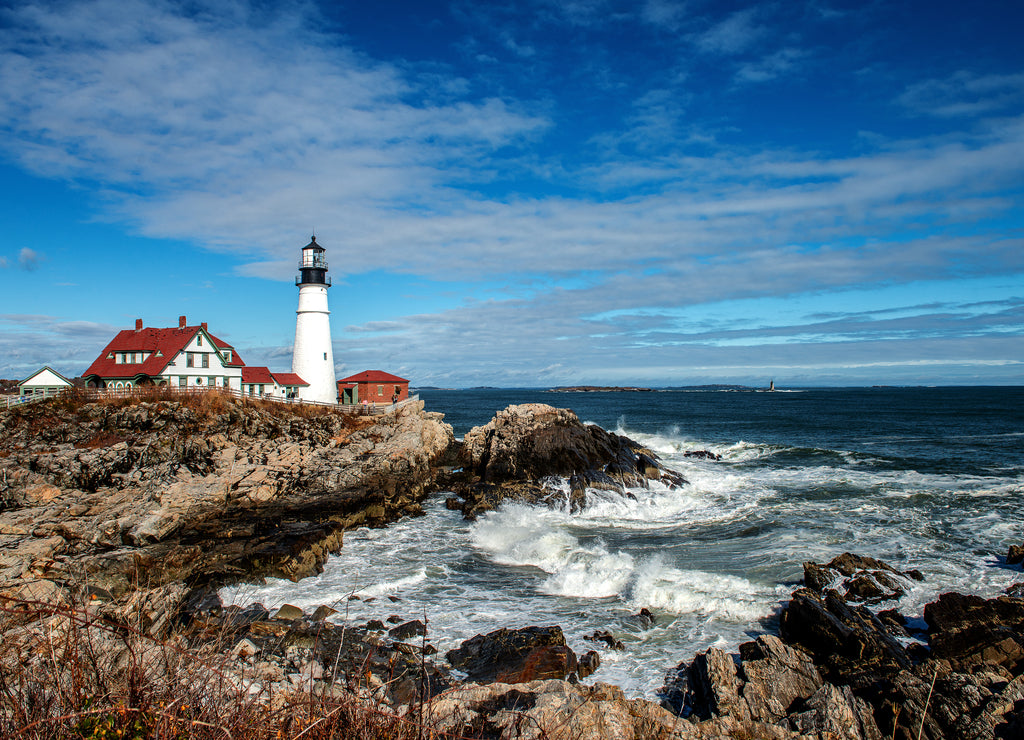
pixel 325 355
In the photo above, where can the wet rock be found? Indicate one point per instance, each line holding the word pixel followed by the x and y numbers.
pixel 1015 555
pixel 510 456
pixel 514 655
pixel 406 630
pixel 1015 591
pixel 858 578
pixel 588 663
pixel 646 617
pixel 702 455
pixel 607 638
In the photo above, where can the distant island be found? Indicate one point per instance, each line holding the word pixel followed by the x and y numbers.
pixel 595 388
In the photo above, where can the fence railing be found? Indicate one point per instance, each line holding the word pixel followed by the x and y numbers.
pixel 8 401
pixel 95 394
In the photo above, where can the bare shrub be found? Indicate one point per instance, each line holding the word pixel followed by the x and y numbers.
pixel 67 671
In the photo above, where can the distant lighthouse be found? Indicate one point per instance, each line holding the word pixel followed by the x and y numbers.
pixel 312 356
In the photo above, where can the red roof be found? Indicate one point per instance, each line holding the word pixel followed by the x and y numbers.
pixel 288 379
pixel 373 376
pixel 161 346
pixel 257 375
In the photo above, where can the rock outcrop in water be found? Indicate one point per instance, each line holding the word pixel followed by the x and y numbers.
pixel 510 457
pixel 839 670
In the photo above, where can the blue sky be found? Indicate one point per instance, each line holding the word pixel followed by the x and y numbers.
pixel 529 194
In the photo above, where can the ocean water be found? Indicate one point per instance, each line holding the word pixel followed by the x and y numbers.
pixel 926 478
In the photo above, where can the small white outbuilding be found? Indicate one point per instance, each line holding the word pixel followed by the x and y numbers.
pixel 43 382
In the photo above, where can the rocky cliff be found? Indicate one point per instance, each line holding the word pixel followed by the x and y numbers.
pixel 110 496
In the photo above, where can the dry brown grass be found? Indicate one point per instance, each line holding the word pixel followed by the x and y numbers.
pixel 67 672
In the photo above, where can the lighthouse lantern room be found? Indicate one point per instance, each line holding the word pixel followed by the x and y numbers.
pixel 312 355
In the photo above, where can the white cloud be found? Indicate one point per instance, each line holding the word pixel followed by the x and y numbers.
pixel 735 34
pixel 29 259
pixel 964 94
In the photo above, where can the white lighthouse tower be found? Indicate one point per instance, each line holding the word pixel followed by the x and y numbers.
pixel 312 356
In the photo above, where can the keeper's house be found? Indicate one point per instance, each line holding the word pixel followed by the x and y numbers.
pixel 372 386
pixel 182 357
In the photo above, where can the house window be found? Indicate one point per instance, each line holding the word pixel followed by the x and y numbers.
pixel 199 381
pixel 227 355
pixel 182 381
pixel 261 390
pixel 190 359
pixel 211 381
pixel 398 390
pixel 199 340
pixel 380 390
pixel 206 359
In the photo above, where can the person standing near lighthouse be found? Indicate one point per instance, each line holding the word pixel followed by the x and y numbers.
pixel 312 355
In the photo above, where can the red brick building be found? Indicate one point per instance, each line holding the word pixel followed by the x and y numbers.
pixel 372 386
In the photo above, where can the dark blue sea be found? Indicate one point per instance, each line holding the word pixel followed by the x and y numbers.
pixel 926 478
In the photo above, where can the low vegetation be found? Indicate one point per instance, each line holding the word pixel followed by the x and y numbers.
pixel 68 672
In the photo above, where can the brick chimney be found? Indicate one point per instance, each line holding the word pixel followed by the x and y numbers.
pixel 181 322
pixel 204 326
pixel 138 324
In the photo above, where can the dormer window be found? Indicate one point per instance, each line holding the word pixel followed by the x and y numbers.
pixel 227 355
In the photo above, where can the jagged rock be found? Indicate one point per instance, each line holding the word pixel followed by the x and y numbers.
pixel 557 710
pixel 850 645
pixel 835 713
pixel 859 578
pixel 510 456
pixel 511 656
pixel 104 497
pixel 970 631
pixel 761 686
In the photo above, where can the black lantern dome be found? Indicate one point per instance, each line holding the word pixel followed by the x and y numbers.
pixel 313 266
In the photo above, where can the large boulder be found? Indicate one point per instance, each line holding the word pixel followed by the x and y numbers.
pixel 512 455
pixel 515 656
